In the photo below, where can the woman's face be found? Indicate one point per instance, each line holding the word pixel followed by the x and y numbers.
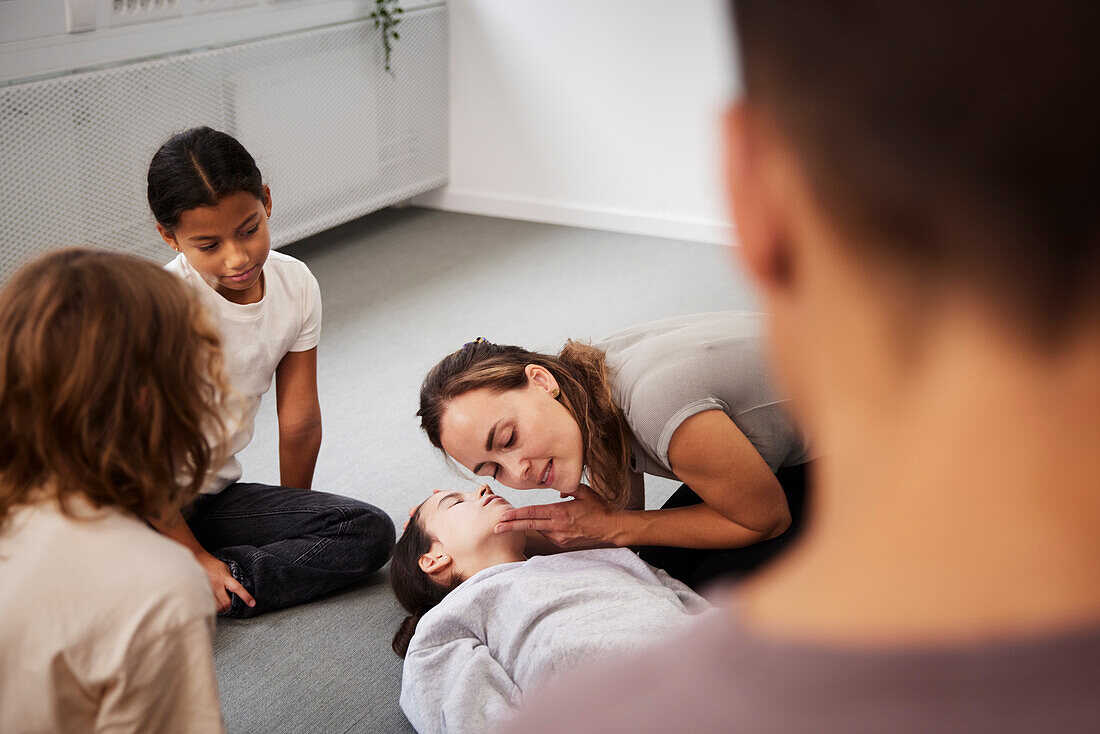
pixel 524 438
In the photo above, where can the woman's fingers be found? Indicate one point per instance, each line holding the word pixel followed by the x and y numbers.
pixel 534 517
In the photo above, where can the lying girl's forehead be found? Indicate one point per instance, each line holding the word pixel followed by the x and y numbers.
pixel 433 502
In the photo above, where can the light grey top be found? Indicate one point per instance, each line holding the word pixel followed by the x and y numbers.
pixel 721 677
pixel 509 628
pixel 664 372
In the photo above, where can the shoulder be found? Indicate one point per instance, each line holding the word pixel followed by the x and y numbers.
pixel 591 557
pixel 664 372
pixel 692 340
pixel 117 555
pixel 290 280
pixel 701 347
pixel 157 569
pixel 461 614
pixel 689 329
pixel 291 268
pixel 181 576
pixel 181 268
pixel 111 566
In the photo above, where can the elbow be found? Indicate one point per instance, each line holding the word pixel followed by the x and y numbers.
pixel 778 518
pixel 776 522
pixel 780 525
pixel 301 429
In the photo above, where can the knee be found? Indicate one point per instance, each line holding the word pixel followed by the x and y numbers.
pixel 371 528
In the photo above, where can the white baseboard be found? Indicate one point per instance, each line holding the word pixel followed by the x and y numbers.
pixel 573 215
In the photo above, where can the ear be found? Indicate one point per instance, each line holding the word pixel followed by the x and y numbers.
pixel 756 198
pixel 541 378
pixel 267 201
pixel 434 562
pixel 168 236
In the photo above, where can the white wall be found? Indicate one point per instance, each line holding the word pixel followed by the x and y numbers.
pixel 593 113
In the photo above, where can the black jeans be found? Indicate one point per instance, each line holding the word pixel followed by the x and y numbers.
pixel 288 546
pixel 696 567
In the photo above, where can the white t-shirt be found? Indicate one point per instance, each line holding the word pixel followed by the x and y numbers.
pixel 105 625
pixel 256 337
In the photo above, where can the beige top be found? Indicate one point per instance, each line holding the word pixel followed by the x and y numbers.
pixel 107 626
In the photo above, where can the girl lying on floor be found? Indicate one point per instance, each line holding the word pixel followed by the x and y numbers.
pixel 487 625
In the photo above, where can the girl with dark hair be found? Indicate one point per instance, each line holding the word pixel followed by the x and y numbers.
pixel 685 398
pixel 111 385
pixel 262 547
pixel 487 626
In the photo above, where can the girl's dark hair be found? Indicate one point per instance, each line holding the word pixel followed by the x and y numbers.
pixel 196 168
pixel 111 385
pixel 581 373
pixel 413 588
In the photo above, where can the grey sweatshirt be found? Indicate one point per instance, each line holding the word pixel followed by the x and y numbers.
pixel 510 628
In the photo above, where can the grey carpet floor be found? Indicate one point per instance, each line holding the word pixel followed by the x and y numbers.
pixel 402 288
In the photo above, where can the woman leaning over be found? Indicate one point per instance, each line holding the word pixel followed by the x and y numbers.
pixel 686 398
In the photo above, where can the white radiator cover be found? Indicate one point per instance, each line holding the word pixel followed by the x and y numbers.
pixel 334 134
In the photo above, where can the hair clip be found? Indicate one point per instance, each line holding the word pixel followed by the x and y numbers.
pixel 479 340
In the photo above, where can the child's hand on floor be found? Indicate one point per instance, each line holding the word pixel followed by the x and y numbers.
pixel 222 581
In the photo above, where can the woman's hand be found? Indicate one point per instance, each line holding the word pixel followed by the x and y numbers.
pixel 586 521
pixel 222 581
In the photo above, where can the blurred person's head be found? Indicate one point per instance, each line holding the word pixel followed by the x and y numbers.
pixel 903 170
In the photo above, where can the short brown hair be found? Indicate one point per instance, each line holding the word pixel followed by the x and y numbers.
pixel 111 385
pixel 958 139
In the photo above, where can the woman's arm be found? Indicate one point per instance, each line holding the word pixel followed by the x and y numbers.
pixel 299 413
pixel 743 502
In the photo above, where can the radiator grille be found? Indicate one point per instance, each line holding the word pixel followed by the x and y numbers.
pixel 334 134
